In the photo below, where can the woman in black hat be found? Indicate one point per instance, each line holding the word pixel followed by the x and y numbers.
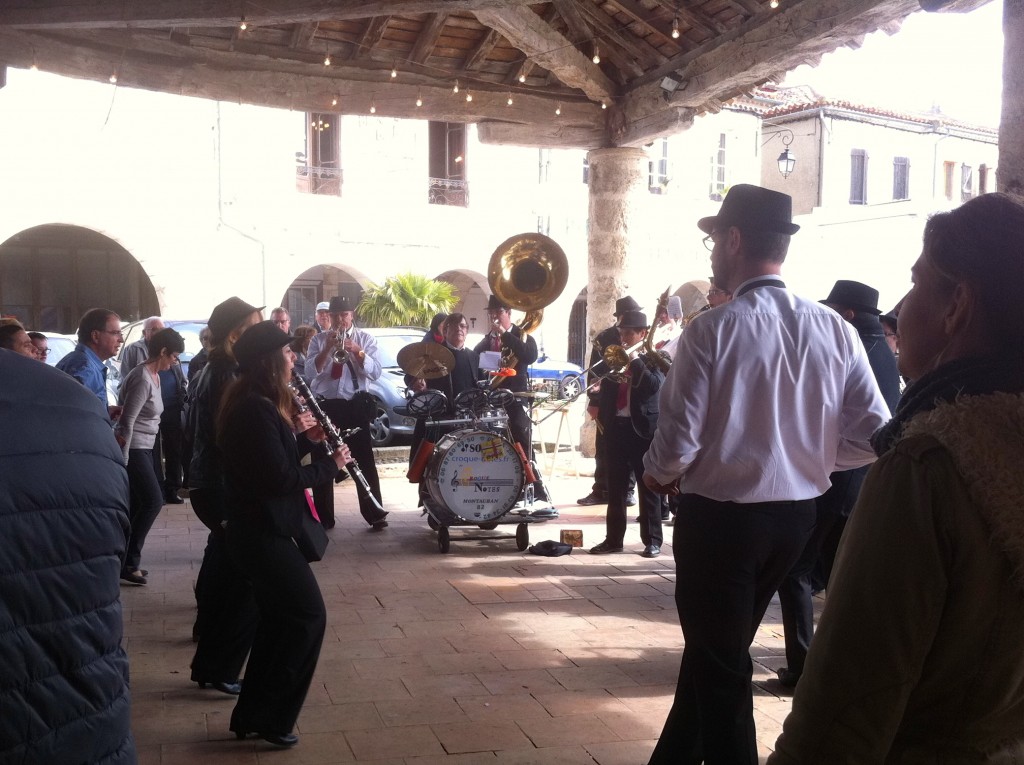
pixel 266 501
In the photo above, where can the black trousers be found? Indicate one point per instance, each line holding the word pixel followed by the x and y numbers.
pixel 172 444
pixel 730 559
pixel 344 415
pixel 626 452
pixel 601 466
pixel 227 616
pixel 795 592
pixel 292 621
pixel 145 500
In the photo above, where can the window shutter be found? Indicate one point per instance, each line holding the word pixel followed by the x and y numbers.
pixel 858 177
pixel 900 178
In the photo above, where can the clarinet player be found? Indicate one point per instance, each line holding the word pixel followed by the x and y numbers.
pixel 340 364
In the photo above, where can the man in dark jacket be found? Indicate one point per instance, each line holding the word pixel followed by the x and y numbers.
pixel 609 336
pixel 63 523
pixel 629 414
pixel 858 304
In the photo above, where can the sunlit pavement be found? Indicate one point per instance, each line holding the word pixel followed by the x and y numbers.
pixel 482 655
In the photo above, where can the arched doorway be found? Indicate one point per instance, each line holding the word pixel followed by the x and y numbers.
pixel 472 299
pixel 316 284
pixel 52 274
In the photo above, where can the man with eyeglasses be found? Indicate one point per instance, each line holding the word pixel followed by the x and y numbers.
pixel 716 295
pixel 765 398
pixel 282 319
pixel 41 344
pixel 99 337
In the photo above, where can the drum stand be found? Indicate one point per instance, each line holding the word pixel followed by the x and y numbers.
pixel 530 505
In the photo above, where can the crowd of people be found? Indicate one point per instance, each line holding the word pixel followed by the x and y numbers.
pixel 772 426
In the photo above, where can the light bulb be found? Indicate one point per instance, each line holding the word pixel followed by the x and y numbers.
pixel 394 72
pixel 327 60
pixel 774 4
pixel 334 101
pixel 419 100
pixel 675 28
pixel 456 88
pixel 34 67
pixel 469 96
pixel 597 55
pixel 242 25
pixel 113 78
pixel 558 110
pixel 522 76
pixel 604 105
pixel 373 108
pixel 509 102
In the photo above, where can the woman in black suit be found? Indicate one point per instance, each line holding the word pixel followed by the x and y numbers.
pixel 266 500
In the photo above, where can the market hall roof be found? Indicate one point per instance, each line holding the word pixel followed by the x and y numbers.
pixel 582 73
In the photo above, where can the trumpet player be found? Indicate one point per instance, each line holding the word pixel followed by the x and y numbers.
pixel 340 364
pixel 628 412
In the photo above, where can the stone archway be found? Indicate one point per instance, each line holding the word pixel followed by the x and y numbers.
pixel 471 297
pixel 316 284
pixel 52 274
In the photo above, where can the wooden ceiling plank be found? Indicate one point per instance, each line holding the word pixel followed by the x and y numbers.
pixel 528 32
pixel 428 37
pixel 615 33
pixel 659 20
pixel 372 34
pixel 302 35
pixel 747 7
pixel 99 14
pixel 579 31
pixel 694 17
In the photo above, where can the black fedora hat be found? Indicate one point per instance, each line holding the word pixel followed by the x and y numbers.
pixel 854 295
pixel 494 304
pixel 634 320
pixel 755 208
pixel 626 303
pixel 226 316
pixel 341 303
pixel 257 341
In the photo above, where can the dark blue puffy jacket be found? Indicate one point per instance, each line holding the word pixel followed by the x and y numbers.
pixel 63 518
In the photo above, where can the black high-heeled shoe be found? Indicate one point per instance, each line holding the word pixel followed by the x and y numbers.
pixel 284 740
pixel 232 689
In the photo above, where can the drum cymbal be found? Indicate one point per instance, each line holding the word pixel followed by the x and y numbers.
pixel 427 360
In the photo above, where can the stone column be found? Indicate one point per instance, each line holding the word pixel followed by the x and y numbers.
pixel 1011 127
pixel 618 192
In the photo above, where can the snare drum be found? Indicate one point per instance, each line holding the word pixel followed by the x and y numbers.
pixel 473 477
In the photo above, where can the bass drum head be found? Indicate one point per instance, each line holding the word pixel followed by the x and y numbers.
pixel 475 475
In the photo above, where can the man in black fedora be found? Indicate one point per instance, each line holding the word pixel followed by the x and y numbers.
pixel 629 415
pixel 767 395
pixel 340 364
pixel 609 336
pixel 857 303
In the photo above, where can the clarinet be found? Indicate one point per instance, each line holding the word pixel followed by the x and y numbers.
pixel 335 437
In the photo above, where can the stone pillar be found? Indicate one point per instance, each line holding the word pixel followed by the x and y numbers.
pixel 618 192
pixel 1011 127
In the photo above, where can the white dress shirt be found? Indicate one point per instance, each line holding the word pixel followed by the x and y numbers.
pixel 322 384
pixel 767 395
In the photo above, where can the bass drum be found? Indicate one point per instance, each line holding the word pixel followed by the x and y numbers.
pixel 473 477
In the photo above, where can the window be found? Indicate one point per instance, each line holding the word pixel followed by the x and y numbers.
pixel 718 184
pixel 318 169
pixel 586 169
pixel 982 179
pixel 657 169
pixel 947 174
pixel 858 177
pixel 966 182
pixel 900 178
pixel 446 184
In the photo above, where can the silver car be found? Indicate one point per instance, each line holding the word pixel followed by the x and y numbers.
pixel 389 389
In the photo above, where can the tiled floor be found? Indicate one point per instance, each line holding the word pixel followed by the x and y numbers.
pixel 483 655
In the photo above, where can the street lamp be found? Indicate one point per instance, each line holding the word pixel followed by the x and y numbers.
pixel 787 159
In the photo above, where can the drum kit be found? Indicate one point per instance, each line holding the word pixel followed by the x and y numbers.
pixel 473 472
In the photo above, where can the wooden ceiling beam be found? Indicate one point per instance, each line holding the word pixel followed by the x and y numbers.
pixel 428 37
pixel 528 32
pixel 99 14
pixel 302 35
pixel 482 51
pixel 748 7
pixel 550 135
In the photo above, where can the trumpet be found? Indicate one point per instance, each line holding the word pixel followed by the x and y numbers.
pixel 340 354
pixel 305 400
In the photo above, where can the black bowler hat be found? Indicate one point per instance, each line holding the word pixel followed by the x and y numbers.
pixel 624 304
pixel 257 341
pixel 854 295
pixel 754 208
pixel 493 304
pixel 634 320
pixel 341 303
pixel 226 316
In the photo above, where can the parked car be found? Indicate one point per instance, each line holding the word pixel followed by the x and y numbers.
pixel 189 330
pixel 59 345
pixel 389 389
pixel 562 379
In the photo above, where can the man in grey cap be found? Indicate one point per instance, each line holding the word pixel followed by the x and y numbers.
pixel 767 395
pixel 322 316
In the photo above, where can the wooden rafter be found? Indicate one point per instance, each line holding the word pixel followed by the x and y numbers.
pixel 302 35
pixel 428 37
pixel 643 52
pixel 141 14
pixel 528 32
pixel 693 17
pixel 482 51
pixel 372 34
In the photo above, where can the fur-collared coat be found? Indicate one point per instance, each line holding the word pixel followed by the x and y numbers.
pixel 919 657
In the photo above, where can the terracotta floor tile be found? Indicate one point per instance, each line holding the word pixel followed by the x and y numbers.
pixel 519 681
pixel 578 729
pixel 420 712
pixel 471 737
pixel 408 741
pixel 508 707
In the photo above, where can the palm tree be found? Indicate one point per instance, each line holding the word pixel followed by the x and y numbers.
pixel 405 299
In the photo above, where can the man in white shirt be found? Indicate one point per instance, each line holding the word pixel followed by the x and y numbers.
pixel 767 395
pixel 347 403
